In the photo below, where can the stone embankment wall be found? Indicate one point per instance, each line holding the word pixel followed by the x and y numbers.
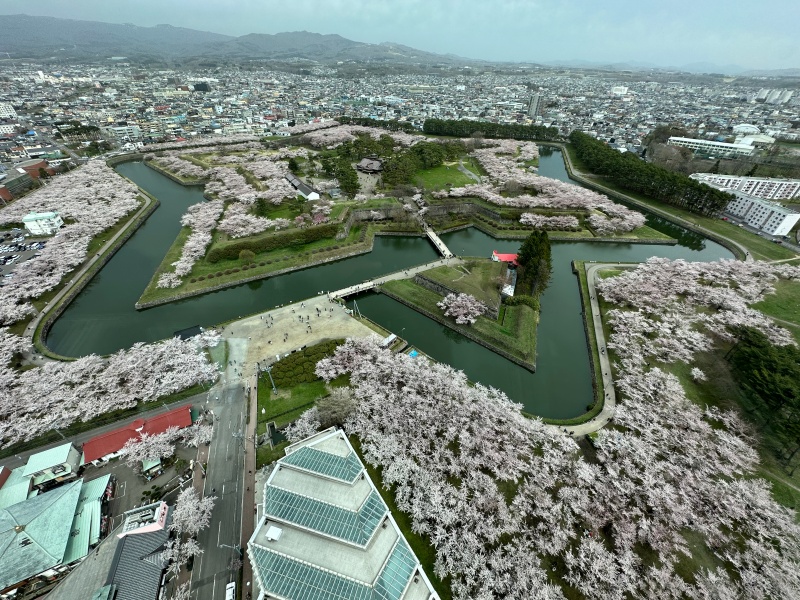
pixel 530 366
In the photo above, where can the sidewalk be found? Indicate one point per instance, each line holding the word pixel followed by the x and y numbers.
pixel 248 499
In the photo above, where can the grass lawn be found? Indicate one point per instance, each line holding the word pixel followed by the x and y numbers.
pixel 784 304
pixel 442 177
pixel 516 334
pixel 643 233
pixel 478 282
pixel 288 404
pixel 275 260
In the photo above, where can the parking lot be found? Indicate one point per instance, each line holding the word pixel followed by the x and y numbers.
pixel 16 248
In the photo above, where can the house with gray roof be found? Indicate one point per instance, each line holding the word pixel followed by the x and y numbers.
pixel 44 536
pixel 326 533
pixel 127 565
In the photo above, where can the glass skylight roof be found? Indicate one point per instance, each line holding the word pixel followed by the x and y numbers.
pixel 324 463
pixel 289 578
pixel 356 527
pixel 395 575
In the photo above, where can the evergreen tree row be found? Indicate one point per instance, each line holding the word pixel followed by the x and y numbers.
pixel 633 174
pixel 459 128
pixel 535 263
pixel 367 122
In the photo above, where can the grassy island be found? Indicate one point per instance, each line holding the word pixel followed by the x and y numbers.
pixel 512 333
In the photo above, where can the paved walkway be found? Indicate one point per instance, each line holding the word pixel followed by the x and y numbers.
pixel 404 274
pixel 467 172
pixel 610 399
pixel 582 177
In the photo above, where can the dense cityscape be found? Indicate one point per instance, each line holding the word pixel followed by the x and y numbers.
pixel 427 329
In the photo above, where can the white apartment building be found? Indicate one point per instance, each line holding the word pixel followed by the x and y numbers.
pixel 712 148
pixel 770 217
pixel 123 132
pixel 42 223
pixel 7 111
pixel 769 188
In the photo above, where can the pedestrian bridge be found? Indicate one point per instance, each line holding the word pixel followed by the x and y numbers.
pixel 437 241
pixel 404 274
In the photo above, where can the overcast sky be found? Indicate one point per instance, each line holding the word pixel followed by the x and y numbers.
pixel 749 33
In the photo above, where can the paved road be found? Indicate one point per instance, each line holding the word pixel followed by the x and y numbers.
pixel 225 462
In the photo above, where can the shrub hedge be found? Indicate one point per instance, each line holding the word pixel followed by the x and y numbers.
pixel 273 241
pixel 522 299
pixel 299 367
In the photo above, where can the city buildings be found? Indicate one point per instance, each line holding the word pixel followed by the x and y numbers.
pixel 326 533
pixel 760 187
pixel 770 217
pixel 712 148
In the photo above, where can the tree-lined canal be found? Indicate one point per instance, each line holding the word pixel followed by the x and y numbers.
pixel 102 319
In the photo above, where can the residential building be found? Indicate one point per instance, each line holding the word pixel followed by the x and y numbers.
pixel 128 565
pixel 305 190
pixel 7 111
pixel 122 133
pixel 534 105
pixel 326 533
pixel 770 217
pixel 711 148
pixel 768 188
pixel 44 537
pixel 42 223
pixel 51 467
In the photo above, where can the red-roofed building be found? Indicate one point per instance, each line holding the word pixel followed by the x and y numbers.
pixel 506 258
pixel 109 444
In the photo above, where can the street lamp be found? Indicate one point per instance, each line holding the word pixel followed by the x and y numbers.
pixel 268 369
pixel 236 547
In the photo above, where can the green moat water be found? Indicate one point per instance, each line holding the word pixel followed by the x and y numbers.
pixel 102 319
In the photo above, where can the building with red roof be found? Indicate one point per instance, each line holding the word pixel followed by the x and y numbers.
pixel 506 258
pixel 110 443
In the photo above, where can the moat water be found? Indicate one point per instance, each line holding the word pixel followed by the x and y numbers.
pixel 102 319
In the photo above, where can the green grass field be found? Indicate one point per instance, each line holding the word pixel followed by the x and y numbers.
pixel 515 335
pixel 442 177
pixel 476 277
pixel 784 305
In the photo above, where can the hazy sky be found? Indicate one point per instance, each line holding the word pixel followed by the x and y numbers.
pixel 749 33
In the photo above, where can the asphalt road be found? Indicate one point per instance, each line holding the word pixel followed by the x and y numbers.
pixel 220 541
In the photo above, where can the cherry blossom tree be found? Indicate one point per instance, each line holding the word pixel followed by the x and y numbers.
pixel 191 513
pixel 198 434
pixel 148 447
pixel 178 552
pixel 464 308
pixel 56 394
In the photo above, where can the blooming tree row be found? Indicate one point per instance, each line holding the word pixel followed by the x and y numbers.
pixel 503 161
pixel 549 222
pixel 180 167
pixel 202 219
pixel 90 199
pixel 514 510
pixel 57 394
pixel 199 141
pixel 336 136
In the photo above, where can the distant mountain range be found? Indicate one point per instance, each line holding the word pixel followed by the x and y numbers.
pixel 26 36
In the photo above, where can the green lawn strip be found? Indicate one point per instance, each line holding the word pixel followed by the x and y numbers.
pixel 721 390
pixel 281 408
pixel 784 304
pixel 421 545
pixel 442 177
pixel 597 403
pixel 517 335
pixel 480 282
pixel 643 233
pixel 103 419
pixel 276 260
pixel 266 455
